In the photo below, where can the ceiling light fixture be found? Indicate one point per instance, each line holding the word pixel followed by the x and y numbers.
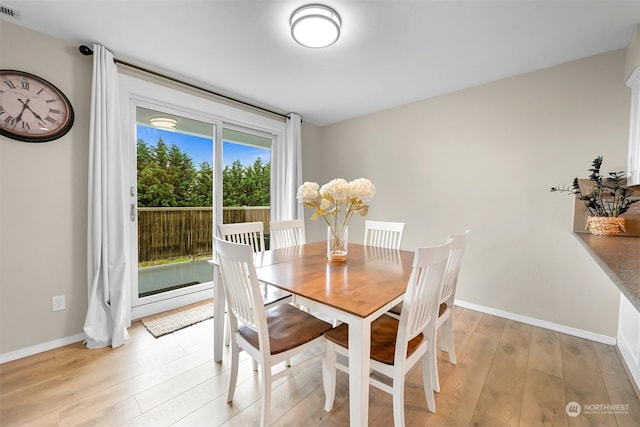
pixel 165 123
pixel 315 25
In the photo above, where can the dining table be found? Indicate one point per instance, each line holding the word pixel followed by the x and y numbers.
pixel 356 292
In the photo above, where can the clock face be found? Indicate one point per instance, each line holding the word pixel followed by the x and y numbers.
pixel 31 108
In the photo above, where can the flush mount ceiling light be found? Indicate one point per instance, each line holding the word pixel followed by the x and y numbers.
pixel 315 25
pixel 165 123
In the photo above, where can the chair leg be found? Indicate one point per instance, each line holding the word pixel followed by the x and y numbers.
pixel 433 367
pixel 398 401
pixel 266 395
pixel 427 379
pixel 329 375
pixel 227 333
pixel 233 374
pixel 447 340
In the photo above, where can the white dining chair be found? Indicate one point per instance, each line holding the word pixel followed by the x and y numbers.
pixel 269 336
pixel 287 233
pixel 383 234
pixel 447 298
pixel 397 345
pixel 252 234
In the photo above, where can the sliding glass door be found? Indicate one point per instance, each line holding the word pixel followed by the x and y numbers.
pixel 174 165
pixel 177 178
pixel 172 200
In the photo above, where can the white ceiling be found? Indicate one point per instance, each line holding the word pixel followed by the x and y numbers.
pixel 391 52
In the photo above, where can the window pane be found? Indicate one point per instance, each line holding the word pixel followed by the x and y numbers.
pixel 175 191
pixel 246 178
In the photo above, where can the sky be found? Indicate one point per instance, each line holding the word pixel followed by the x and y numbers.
pixel 201 150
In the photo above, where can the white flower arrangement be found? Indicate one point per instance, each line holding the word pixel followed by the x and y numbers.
pixel 328 199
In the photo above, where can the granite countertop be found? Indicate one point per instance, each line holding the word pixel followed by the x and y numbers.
pixel 619 257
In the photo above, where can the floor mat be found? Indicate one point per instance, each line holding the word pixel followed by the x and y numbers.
pixel 170 321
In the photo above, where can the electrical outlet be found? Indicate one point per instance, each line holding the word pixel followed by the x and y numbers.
pixel 58 303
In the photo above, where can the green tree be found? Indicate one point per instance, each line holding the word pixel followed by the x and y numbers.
pixel 153 188
pixel 256 183
pixel 167 177
pixel 232 193
pixel 246 186
pixel 202 192
pixel 181 175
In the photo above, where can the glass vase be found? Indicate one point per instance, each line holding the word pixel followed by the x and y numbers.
pixel 337 244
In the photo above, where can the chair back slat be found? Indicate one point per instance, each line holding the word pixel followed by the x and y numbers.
pixel 288 233
pixel 383 234
pixel 248 233
pixel 450 280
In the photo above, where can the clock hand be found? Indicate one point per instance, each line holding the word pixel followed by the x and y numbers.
pixel 35 114
pixel 24 107
pixel 29 108
pixel 18 118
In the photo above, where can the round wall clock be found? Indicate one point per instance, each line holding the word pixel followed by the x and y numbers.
pixel 31 108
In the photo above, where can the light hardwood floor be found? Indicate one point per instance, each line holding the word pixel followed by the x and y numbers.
pixel 508 374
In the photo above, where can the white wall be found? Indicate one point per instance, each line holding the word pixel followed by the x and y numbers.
pixel 43 199
pixel 484 159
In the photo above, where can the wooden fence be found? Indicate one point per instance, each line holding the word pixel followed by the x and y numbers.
pixel 167 233
pixel 247 214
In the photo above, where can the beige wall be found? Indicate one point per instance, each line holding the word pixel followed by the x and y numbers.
pixel 43 198
pixel 484 159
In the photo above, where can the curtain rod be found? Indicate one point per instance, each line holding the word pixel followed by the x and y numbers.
pixel 87 51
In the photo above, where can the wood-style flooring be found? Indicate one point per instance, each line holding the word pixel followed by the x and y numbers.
pixel 508 374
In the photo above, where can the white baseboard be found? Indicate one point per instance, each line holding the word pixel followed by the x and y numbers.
pixel 580 333
pixel 30 351
pixel 136 313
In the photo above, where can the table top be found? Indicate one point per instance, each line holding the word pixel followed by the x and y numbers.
pixel 370 278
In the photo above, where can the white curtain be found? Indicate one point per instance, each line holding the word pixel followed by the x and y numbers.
pixel 286 173
pixel 107 232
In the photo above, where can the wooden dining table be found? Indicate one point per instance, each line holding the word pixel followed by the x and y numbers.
pixel 356 292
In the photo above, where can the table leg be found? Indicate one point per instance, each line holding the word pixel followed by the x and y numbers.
pixel 359 353
pixel 218 314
